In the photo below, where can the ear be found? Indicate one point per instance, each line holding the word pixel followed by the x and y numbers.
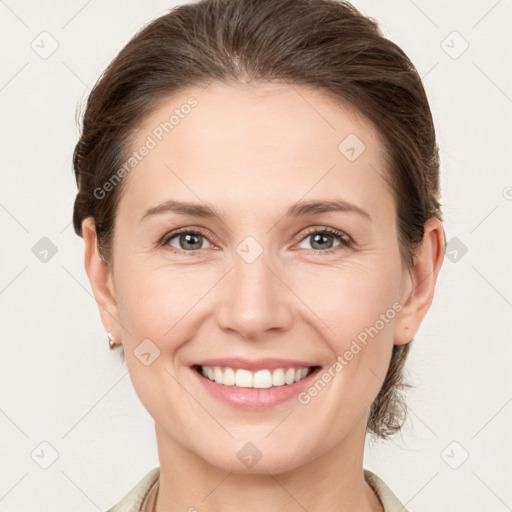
pixel 420 281
pixel 100 278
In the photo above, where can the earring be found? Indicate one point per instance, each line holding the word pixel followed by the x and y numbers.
pixel 111 339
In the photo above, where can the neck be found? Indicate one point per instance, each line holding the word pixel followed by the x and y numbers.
pixel 332 481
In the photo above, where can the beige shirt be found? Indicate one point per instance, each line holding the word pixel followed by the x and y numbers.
pixel 142 497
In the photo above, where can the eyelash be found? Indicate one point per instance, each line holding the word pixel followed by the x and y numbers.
pixel 346 241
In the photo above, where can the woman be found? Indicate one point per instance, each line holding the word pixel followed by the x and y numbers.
pixel 222 148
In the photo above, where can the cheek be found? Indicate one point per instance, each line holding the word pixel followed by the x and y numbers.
pixel 350 297
pixel 155 300
pixel 341 299
pixel 355 306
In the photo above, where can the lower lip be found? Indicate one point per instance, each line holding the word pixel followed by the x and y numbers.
pixel 251 398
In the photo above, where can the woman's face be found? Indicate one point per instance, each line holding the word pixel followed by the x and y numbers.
pixel 263 286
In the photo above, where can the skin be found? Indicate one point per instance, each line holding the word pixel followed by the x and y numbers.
pixel 251 151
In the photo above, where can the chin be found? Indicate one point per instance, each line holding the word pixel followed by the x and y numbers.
pixel 247 459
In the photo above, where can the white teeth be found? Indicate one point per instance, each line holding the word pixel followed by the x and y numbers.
pixel 243 379
pixel 289 377
pixel 217 374
pixel 278 377
pixel 261 379
pixel 229 377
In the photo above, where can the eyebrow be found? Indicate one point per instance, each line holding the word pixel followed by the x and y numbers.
pixel 300 209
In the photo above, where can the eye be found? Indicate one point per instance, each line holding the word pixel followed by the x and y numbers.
pixel 192 240
pixel 187 240
pixel 321 239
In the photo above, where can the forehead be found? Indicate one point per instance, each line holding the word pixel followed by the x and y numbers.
pixel 264 141
pixel 261 109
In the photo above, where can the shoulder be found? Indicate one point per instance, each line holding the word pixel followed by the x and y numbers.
pixel 133 501
pixel 389 501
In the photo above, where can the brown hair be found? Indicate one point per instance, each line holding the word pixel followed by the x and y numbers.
pixel 326 44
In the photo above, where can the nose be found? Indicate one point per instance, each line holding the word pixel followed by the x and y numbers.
pixel 255 299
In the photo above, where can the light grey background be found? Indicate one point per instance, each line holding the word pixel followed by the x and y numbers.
pixel 61 385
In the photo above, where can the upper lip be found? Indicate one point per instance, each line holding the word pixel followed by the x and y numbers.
pixel 254 364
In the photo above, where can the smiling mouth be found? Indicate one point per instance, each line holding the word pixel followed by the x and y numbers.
pixel 260 379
